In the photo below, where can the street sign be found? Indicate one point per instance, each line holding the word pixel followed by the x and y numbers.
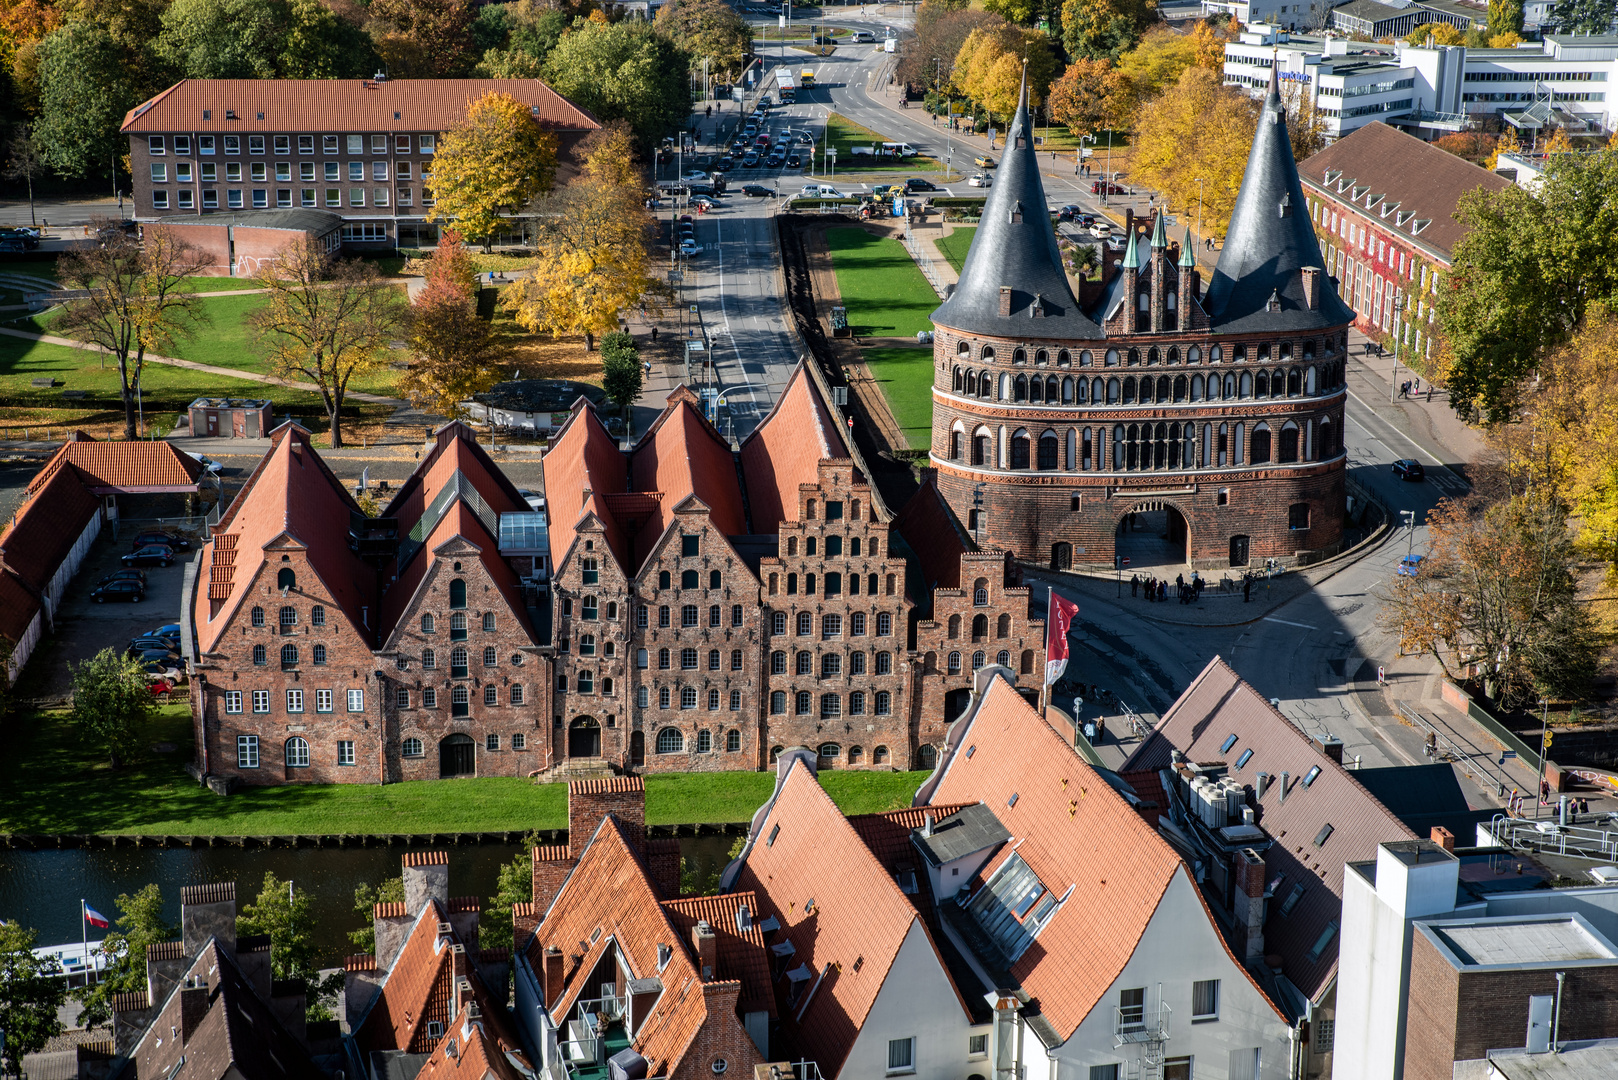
pixel 723 401
pixel 1507 755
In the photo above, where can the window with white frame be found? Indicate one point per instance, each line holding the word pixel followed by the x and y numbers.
pixel 233 701
pixel 345 751
pixel 901 1056
pixel 356 701
pixel 247 751
pixel 261 701
pixel 154 145
pixel 297 753
pixel 1205 1000
pixel 322 701
pixel 294 701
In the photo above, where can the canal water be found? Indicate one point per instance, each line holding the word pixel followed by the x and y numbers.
pixel 42 889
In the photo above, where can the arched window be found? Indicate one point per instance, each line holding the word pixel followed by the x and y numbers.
pixel 1261 384
pixel 411 748
pixel 492 658
pixel 980 450
pixel 1019 450
pixel 663 579
pixel 879 756
pixel 954 627
pixel 429 659
pixel 1129 390
pixel 980 598
pixel 963 348
pixel 457 626
pixel 289 656
pixel 297 753
pixel 317 616
pixel 288 618
pixel 457 593
pixel 670 741
pixel 778 706
pixel 1294 382
pixel 319 653
pixel 1287 448
pixel 1002 626
pixel 1019 356
pixel 1181 386
pixel 1042 357
pixel 955 438
pixel 804 705
pixel 1065 359
pixel 1003 658
pixel 705 740
pixel 856 755
pixel 1068 389
pixel 259 655
pixel 956 383
pixel 980 627
pixel 1151 356
pixel 778 662
pixel 954 663
pixel 733 741
pixel 688 697
pixel 285 578
pixel 1036 389
pixel 987 354
pixel 830 751
pixel 1261 444
pixel 591 610
pixel 258 616
pixel 689 579
pixel 978 659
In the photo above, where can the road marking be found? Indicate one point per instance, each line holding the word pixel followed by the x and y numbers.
pixel 1283 622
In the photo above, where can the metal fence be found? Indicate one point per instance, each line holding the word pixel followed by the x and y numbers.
pixel 196 527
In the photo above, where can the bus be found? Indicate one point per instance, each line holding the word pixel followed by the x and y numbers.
pixel 785 86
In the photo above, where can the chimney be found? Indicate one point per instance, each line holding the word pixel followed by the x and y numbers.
pixel 193 1007
pixel 165 963
pixel 1331 746
pixel 590 801
pixel 555 973
pixel 463 994
pixel 1005 300
pixel 426 877
pixel 1263 784
pixel 1285 776
pixel 707 945
pixel 208 911
pixel 361 981
pixel 1248 904
pixel 253 958
pixel 1443 838
pixel 457 955
pixel 1311 287
pixel 927 823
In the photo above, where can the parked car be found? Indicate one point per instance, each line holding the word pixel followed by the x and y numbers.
pixel 125 575
pixel 159 687
pixel 153 643
pixel 915 183
pixel 1102 188
pixel 983 161
pixel 1410 565
pixel 690 248
pixel 173 540
pixel 209 465
pixel 168 631
pixel 534 499
pixel 979 180
pixel 132 591
pixel 150 555
pixel 1408 469
pixel 159 669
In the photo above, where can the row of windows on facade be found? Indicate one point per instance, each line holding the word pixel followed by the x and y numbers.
pixel 831 664
pixel 672 741
pixel 1368 242
pixel 1152 446
pixel 832 584
pixel 159 145
pixel 831 705
pixel 1155 355
pixel 186 198
pixel 831 625
pixel 459 659
pixel 295 751
pixel 259 172
pixel 1146 390
pixel 980 627
pixel 689 697
pixel 980 659
pixel 834 547
pixel 926 754
pixel 324 699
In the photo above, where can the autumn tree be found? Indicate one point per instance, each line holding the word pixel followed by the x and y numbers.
pixel 710 30
pixel 457 353
pixel 1306 126
pixel 1441 33
pixel 134 301
pixel 1209 40
pixel 1497 591
pixel 31 992
pixel 140 924
pixel 112 702
pixel 288 917
pixel 1505 16
pixel 325 320
pixel 608 154
pixel 490 165
pixel 1097 29
pixel 423 39
pixel 529 30
pixel 624 71
pixel 990 67
pixel 1474 146
pixel 1153 65
pixel 262 39
pixel 1085 97
pixel 594 261
pixel 1196 128
pixel 928 58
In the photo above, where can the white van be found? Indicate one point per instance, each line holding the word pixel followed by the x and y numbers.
pixel 898 149
pixel 864 35
pixel 820 191
pixel 890 45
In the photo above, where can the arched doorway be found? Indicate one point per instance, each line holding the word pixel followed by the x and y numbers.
pixel 456 756
pixel 1153 534
pixel 637 748
pixel 1062 555
pixel 584 738
pixel 1238 551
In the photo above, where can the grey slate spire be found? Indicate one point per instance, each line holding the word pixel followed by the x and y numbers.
pixel 1015 249
pixel 1269 243
pixel 1186 258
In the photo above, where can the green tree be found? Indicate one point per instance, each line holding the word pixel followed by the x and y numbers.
pixel 134 300
pixel 423 39
pixel 624 71
pixel 366 898
pixel 288 917
pixel 531 30
pixel 620 369
pixel 140 924
pixel 929 58
pixel 261 39
pixel 1585 16
pixel 1104 29
pixel 112 702
pixel 1505 16
pixel 515 885
pixel 85 88
pixel 30 995
pixel 1525 274
pixel 708 29
pixel 490 165
pixel 319 44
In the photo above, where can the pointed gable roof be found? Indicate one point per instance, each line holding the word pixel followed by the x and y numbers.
pixel 786 449
pixel 105 467
pixel 858 913
pixel 1015 248
pixel 683 455
pixel 934 533
pixel 468 1050
pixel 1219 704
pixel 583 467
pixel 1270 240
pixel 741 955
pixel 459 523
pixel 291 493
pixel 44 530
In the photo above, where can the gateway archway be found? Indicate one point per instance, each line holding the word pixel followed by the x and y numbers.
pixel 457 756
pixel 1153 534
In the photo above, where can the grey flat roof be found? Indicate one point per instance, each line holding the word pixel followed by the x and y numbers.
pixel 959 835
pixel 1537 941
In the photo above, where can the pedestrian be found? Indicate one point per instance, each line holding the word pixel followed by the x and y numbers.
pixel 1162 590
pixel 1429 393
pixel 1101 730
pixel 1416 387
pixel 1179 579
pixel 654 335
pixel 1247 589
pixel 1134 584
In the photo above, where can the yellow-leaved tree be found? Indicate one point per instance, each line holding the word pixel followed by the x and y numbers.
pixel 1559 142
pixel 492 164
pixel 989 67
pixel 1508 144
pixel 1441 33
pixel 1196 128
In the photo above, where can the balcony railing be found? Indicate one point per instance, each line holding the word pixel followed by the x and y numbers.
pixel 1136 1025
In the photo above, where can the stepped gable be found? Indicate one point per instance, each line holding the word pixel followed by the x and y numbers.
pixel 933 532
pixel 1269 242
pixel 1015 248
pixel 786 449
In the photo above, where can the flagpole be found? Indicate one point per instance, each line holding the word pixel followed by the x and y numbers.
pixel 1045 688
pixel 84 932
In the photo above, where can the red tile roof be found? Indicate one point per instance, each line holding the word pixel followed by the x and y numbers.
pixel 468 1049
pixel 582 469
pixel 42 533
pixel 1425 181
pixel 1075 832
pixel 340 105
pixel 742 957
pixel 785 451
pixel 18 606
pixel 858 921
pixel 931 529
pixel 681 455
pixel 123 466
pixel 291 493
pixel 1217 705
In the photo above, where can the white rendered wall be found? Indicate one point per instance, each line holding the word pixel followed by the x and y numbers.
pixel 916 1000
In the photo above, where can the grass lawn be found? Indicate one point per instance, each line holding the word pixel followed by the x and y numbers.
pixel 906 377
pixel 883 289
pixel 955 245
pixel 57 786
pixel 845 135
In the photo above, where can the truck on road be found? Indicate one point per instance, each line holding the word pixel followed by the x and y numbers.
pixel 786 86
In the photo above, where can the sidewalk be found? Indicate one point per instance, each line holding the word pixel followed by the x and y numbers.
pixel 1432 425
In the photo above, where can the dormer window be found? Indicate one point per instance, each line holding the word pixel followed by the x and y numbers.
pixel 1016 213
pixel 1286 205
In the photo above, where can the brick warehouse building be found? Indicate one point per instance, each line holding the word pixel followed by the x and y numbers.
pixel 230 159
pixel 1057 419
pixel 709 606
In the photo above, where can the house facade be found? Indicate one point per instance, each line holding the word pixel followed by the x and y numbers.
pixel 1216 413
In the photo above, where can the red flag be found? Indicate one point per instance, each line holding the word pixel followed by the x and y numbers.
pixel 95 918
pixel 1057 621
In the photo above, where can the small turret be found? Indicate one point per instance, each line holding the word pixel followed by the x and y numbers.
pixel 1131 286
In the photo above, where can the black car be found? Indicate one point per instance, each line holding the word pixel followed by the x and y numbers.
pixel 794 161
pixel 1408 469
pixel 1068 213
pixel 150 555
pixel 133 591
pixel 775 161
pixel 756 191
pixel 27 237
pixel 125 575
pixel 173 540
pixel 154 643
pixel 918 184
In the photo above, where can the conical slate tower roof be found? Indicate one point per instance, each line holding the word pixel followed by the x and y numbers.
pixel 1269 241
pixel 1015 247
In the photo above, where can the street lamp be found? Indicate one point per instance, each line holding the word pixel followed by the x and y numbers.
pixel 1200 181
pixel 1398 333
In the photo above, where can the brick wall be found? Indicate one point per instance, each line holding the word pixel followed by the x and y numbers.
pixel 590 801
pixel 721 1036
pixel 600 715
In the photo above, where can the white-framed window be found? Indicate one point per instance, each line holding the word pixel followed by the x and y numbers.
pixel 328 144
pixel 233 198
pixel 333 172
pixel 401 170
pixel 322 701
pixel 233 701
pixel 283 144
pixel 247 751
pixel 258 172
pixel 379 171
pixel 306 171
pixel 977 1046
pixel 356 701
pixel 160 173
pixel 345 751
pixel 255 144
pixel 205 144
pixel 401 144
pixel 209 172
pixel 519 741
pixel 379 197
pixel 182 144
pixel 356 144
pixel 154 145
pixel 182 172
pixel 306 144
pixel 283 172
pixel 356 196
pixel 283 197
pixel 233 172
pixel 427 144
pixel 294 701
pixel 306 196
pixel 411 748
pixel 187 199
pixel 379 144
pixel 1205 1000
pixel 261 701
pixel 356 171
pixel 901 1056
pixel 233 144
pixel 297 751
pixel 334 196
pixel 404 196
pixel 261 198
